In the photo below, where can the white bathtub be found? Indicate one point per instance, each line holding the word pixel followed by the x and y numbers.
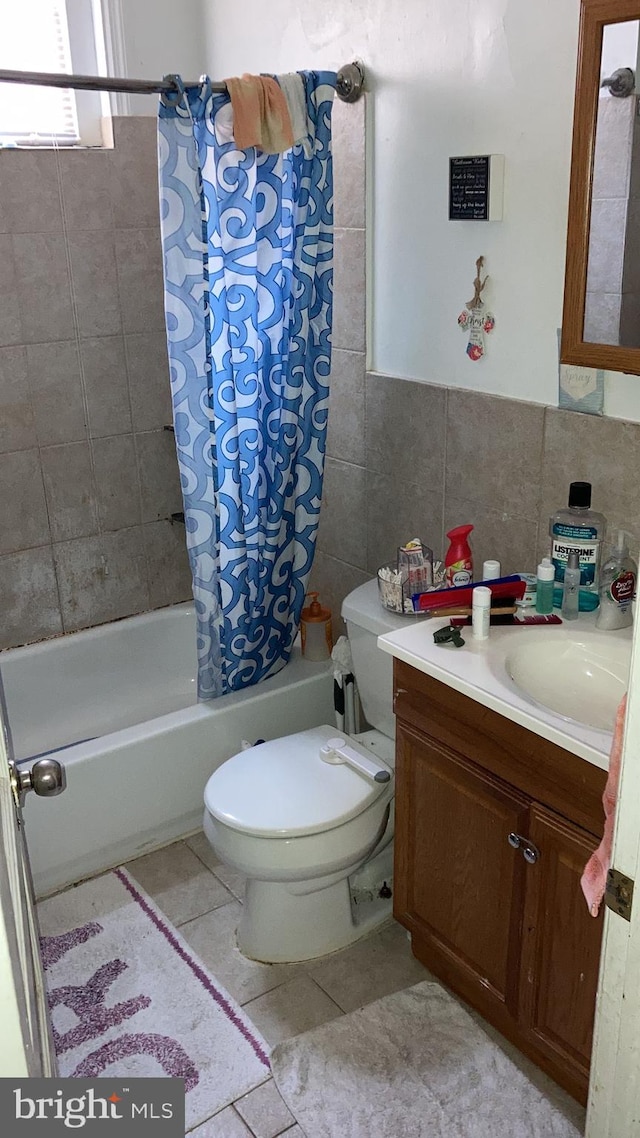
pixel 119 705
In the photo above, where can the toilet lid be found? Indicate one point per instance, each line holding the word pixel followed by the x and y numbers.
pixel 284 789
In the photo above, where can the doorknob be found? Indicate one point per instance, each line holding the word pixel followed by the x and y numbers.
pixel 47 778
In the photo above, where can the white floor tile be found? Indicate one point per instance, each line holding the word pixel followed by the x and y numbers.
pixel 264 1110
pixel 179 883
pixel 213 937
pixel 376 966
pixel 233 881
pixel 226 1124
pixel 290 1009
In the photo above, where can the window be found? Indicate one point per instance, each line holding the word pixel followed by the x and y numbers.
pixel 58 36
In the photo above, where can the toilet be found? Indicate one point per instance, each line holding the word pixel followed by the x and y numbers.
pixel 308 818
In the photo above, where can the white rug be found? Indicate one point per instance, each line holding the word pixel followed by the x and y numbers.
pixel 129 998
pixel 412 1065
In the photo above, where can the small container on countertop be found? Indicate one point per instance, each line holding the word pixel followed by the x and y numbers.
pixel 480 612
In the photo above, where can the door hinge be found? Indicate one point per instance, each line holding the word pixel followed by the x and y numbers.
pixel 618 894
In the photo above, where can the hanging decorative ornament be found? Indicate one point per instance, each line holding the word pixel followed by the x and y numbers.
pixel 475 318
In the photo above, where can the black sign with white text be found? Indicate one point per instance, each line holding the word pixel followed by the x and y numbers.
pixel 469 188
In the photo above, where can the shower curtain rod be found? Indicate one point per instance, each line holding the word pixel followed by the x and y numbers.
pixel 349 84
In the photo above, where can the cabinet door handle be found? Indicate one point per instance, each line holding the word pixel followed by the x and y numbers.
pixel 530 852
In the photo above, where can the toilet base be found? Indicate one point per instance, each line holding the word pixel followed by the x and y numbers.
pixel 280 924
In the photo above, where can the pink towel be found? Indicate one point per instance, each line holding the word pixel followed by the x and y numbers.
pixel 594 878
pixel 260 114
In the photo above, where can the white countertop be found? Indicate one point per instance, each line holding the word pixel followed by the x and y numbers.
pixel 477 670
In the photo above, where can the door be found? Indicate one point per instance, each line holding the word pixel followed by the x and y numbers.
pixel 560 948
pixel 459 882
pixel 26 1048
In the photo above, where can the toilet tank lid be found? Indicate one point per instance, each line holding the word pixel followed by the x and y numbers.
pixel 283 788
pixel 363 607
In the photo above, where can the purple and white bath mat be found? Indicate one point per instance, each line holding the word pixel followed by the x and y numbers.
pixel 129 998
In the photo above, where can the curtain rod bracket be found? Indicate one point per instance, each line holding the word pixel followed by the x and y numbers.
pixel 350 82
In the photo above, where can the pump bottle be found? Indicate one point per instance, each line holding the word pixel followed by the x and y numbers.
pixel 617 587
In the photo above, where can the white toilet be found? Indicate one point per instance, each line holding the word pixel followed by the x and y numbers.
pixel 309 817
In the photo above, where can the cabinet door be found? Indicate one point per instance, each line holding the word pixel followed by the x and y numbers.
pixel 561 947
pixel 458 883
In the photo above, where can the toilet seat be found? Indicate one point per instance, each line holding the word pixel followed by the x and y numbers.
pixel 283 788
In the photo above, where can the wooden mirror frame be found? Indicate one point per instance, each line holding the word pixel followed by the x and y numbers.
pixel 574 349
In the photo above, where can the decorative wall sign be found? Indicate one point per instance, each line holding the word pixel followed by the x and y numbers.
pixel 475 319
pixel 580 388
pixel 476 187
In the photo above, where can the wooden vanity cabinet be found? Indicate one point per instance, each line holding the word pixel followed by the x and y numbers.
pixel 493 828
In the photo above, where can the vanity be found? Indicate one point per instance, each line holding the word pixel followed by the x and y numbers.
pixel 498 808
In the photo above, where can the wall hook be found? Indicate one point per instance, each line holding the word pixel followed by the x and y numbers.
pixel 478 285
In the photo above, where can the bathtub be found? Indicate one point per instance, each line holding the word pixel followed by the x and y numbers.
pixel 117 705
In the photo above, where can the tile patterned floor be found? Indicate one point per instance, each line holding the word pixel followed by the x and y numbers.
pixel 203 898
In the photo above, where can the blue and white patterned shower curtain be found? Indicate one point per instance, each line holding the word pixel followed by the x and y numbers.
pixel 248 263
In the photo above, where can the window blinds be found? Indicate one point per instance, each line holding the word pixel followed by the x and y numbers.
pixel 34 37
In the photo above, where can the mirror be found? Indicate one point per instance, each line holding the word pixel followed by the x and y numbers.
pixel 601 318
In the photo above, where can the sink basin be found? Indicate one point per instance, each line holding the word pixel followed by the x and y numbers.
pixel 580 677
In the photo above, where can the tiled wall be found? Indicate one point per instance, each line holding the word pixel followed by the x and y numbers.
pixel 88 476
pixel 421 459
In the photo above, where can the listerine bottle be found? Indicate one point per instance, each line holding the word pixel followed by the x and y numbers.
pixel 578 529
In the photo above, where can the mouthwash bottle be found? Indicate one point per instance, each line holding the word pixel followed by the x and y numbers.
pixel 578 529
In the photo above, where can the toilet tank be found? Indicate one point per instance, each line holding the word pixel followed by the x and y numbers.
pixel 366 620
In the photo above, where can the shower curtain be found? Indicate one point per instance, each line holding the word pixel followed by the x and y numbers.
pixel 248 263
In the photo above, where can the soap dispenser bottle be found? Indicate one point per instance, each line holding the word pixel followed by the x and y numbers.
pixel 315 630
pixel 617 587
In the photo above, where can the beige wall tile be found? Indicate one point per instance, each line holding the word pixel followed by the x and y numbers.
pixel 149 383
pixel 29 192
pixel 104 371
pixel 167 564
pixel 511 539
pixel 591 448
pixel 17 426
pixel 30 609
pixel 139 259
pixel 117 488
pixel 43 287
pixel 133 173
pixel 345 433
pixel 56 393
pixel 397 511
pixel 159 475
pixel 348 143
pixel 84 178
pixel 349 289
pixel 343 529
pixel 494 451
pixel 23 510
pixel 405 430
pixel 68 481
pixel 606 244
pixel 101 578
pixel 10 314
pixel 334 579
pixel 95 283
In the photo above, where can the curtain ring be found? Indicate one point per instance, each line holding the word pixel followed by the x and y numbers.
pixel 172 99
